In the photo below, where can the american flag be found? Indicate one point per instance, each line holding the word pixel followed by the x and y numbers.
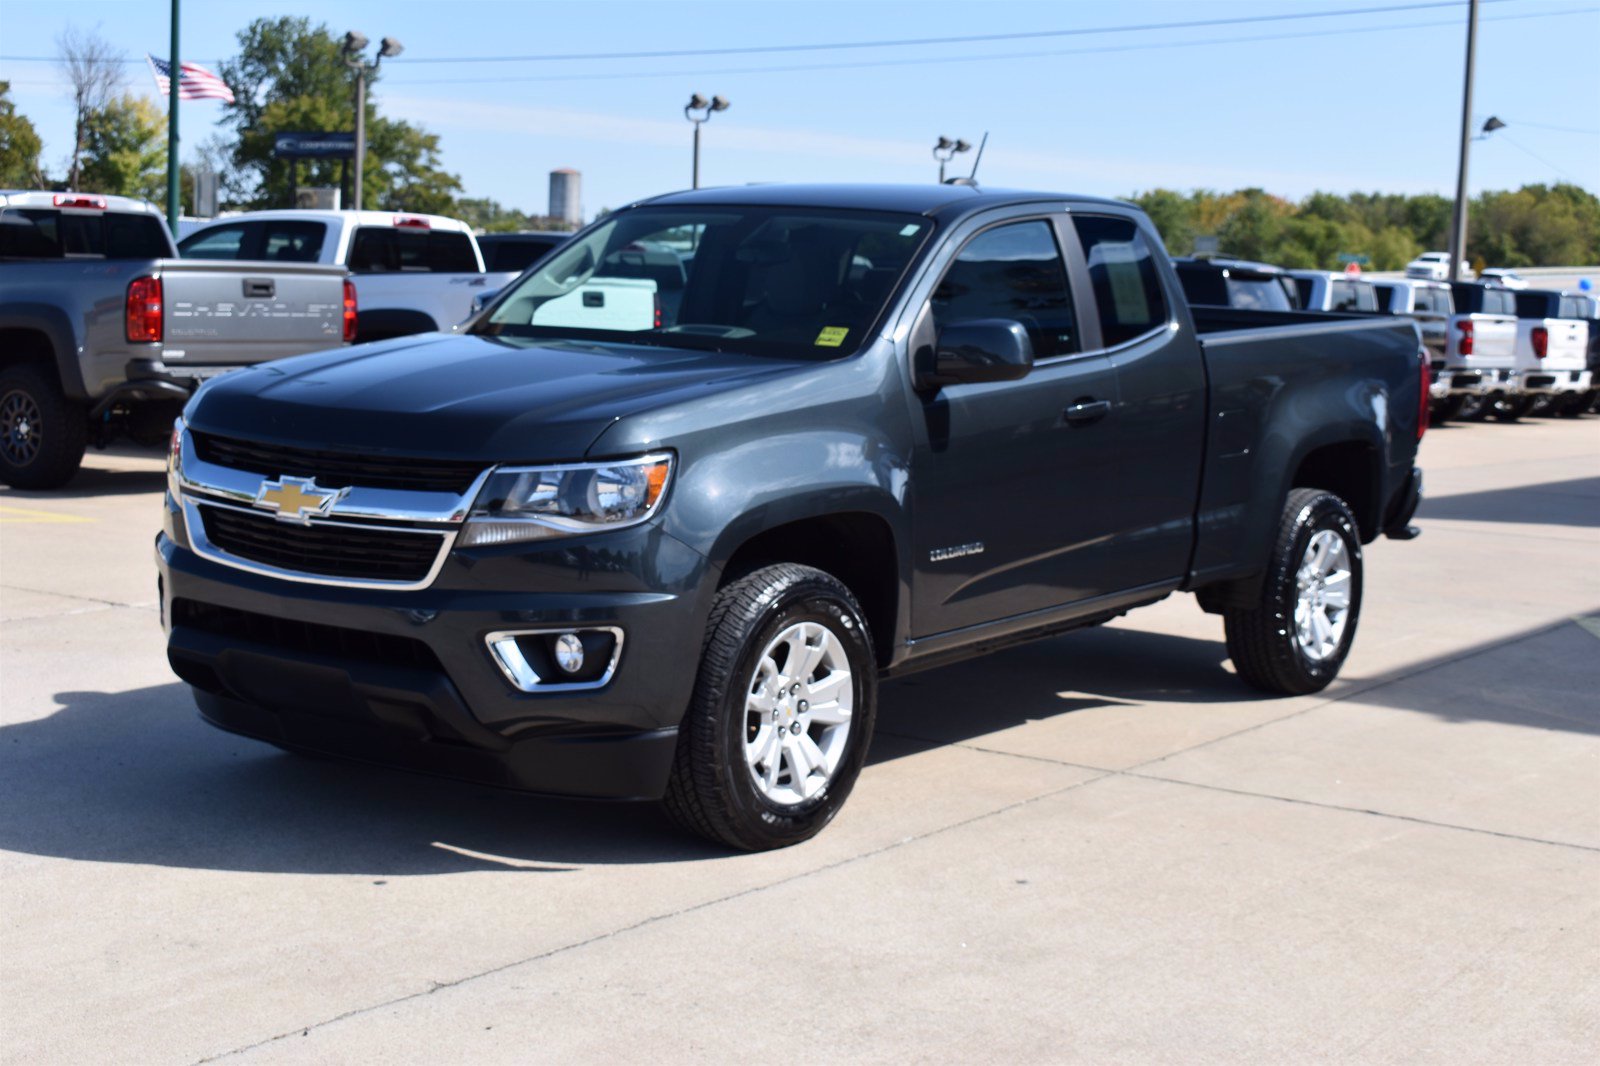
pixel 195 83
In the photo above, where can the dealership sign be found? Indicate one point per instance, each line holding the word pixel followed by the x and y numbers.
pixel 314 145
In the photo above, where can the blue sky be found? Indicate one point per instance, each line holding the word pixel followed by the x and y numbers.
pixel 1106 114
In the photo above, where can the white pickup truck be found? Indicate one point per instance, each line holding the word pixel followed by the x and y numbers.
pixel 1324 290
pixel 413 273
pixel 1480 353
pixel 1552 351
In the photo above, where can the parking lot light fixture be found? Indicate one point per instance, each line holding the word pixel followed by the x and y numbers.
pixel 945 149
pixel 698 111
pixel 352 48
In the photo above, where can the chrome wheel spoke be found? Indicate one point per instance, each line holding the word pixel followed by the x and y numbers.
pixel 797 716
pixel 1323 591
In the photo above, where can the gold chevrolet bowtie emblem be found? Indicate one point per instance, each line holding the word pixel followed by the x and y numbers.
pixel 297 499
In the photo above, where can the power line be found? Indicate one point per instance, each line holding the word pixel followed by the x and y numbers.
pixel 399 82
pixel 1546 126
pixel 1500 135
pixel 904 42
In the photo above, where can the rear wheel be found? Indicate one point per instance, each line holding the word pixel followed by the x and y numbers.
pixel 42 433
pixel 1506 408
pixel 777 730
pixel 1474 408
pixel 1573 406
pixel 1295 639
pixel 1446 409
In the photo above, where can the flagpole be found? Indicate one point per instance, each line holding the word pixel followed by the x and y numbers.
pixel 176 75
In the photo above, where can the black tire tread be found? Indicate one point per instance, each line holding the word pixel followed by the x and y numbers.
pixel 65 428
pixel 696 796
pixel 1260 656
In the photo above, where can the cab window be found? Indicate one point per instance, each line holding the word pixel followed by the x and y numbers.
pixel 1122 269
pixel 1016 272
pixel 219 242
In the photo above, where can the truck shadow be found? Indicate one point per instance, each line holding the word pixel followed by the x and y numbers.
pixel 1558 503
pixel 94 481
pixel 136 777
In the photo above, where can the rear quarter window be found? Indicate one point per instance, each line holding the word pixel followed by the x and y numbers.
pixel 382 250
pixel 43 233
pixel 1122 270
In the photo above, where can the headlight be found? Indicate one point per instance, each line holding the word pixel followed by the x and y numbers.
pixel 535 502
pixel 175 457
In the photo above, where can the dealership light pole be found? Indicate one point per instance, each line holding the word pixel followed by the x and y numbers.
pixel 175 75
pixel 1458 219
pixel 354 44
pixel 698 110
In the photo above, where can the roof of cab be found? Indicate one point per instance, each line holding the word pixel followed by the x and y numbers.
pixel 915 199
pixel 38 198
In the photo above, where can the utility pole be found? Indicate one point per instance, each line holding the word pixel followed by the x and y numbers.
pixel 1458 219
pixel 698 111
pixel 174 200
pixel 355 43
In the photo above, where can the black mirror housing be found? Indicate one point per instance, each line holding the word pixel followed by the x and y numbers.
pixel 976 350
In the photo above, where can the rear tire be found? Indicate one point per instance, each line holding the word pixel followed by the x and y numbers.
pixel 42 434
pixel 1511 408
pixel 1474 408
pixel 1447 409
pixel 757 767
pixel 1574 406
pixel 1297 636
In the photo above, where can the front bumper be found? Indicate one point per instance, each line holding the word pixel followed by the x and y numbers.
pixel 406 678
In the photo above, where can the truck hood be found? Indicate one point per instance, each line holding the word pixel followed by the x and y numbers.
pixel 459 396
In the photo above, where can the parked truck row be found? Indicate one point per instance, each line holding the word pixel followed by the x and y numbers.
pixel 1495 350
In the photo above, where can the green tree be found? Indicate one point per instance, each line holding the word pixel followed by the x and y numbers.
pixel 1173 215
pixel 290 75
pixel 125 149
pixel 19 146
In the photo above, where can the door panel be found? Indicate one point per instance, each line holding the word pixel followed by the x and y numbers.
pixel 1008 489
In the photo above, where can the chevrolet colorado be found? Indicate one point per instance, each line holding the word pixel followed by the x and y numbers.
pixel 879 429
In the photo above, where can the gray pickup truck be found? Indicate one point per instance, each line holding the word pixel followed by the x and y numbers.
pixel 878 429
pixel 104 332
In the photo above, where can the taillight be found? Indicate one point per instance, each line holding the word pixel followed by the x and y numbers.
pixel 412 222
pixel 657 299
pixel 144 310
pixel 97 203
pixel 1465 345
pixel 349 310
pixel 1423 385
pixel 1541 341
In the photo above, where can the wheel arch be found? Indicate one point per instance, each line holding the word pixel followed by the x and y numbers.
pixel 42 335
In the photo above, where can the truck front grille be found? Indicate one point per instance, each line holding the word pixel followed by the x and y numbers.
pixel 337 470
pixel 368 553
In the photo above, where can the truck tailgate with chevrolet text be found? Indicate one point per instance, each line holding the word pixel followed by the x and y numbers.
pixel 877 429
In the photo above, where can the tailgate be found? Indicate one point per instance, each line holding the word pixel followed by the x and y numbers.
pixel 233 313
pixel 1568 346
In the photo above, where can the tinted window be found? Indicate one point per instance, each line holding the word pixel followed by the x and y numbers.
pixel 1202 284
pixel 1302 288
pixel 1259 292
pixel 221 242
pixel 515 253
pixel 1016 272
pixel 1572 307
pixel 1122 269
pixel 1436 301
pixel 42 233
pixel 291 242
pixel 1386 296
pixel 1342 296
pixel 1499 302
pixel 380 250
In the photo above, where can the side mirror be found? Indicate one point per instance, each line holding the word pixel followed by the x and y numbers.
pixel 976 350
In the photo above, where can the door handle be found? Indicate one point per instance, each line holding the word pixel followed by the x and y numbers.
pixel 1086 411
pixel 259 287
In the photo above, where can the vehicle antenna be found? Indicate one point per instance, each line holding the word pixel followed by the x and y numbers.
pixel 973 177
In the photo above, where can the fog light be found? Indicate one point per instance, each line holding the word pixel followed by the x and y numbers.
pixel 569 653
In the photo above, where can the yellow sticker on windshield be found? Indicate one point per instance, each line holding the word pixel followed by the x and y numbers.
pixel 831 336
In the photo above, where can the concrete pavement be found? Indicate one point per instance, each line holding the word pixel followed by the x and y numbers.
pixel 1099 847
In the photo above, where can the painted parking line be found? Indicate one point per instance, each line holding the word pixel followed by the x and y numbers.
pixel 19 515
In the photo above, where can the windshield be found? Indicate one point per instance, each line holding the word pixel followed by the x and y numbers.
pixel 790 282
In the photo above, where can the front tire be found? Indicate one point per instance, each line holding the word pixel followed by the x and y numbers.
pixel 1297 636
pixel 42 434
pixel 1447 409
pixel 777 730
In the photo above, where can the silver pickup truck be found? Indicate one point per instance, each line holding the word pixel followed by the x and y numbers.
pixel 104 332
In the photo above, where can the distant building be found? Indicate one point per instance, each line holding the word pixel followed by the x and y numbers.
pixel 566 199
